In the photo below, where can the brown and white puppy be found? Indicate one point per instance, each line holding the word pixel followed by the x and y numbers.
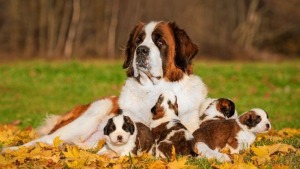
pixel 167 129
pixel 123 136
pixel 236 134
pixel 218 109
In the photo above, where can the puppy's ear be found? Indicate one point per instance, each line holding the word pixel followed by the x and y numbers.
pixel 130 49
pixel 129 124
pixel 107 129
pixel 250 119
pixel 185 49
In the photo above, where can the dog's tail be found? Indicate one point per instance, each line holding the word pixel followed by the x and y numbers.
pixel 48 125
pixel 205 152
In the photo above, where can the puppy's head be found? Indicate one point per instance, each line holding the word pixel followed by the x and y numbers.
pixel 256 120
pixel 165 106
pixel 119 129
pixel 221 108
pixel 226 107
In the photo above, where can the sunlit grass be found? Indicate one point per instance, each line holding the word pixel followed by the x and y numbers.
pixel 30 90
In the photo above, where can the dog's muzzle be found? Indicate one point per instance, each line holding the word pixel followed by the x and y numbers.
pixel 142 56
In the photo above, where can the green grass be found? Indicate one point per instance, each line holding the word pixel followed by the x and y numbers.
pixel 30 90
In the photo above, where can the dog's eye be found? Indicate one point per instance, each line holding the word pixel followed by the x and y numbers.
pixel 138 40
pixel 258 119
pixel 160 42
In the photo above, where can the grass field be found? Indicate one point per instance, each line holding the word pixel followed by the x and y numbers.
pixel 30 90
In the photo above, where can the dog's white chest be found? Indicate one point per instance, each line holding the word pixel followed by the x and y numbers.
pixel 137 100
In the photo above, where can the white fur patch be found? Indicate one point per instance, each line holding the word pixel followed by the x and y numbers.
pixel 205 152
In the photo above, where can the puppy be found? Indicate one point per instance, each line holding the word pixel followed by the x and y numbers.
pixel 236 134
pixel 167 129
pixel 218 109
pixel 123 136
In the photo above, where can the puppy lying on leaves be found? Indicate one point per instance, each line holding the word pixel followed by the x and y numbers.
pixel 167 129
pixel 236 134
pixel 123 136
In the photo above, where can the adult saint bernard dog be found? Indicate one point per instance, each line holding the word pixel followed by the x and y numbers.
pixel 158 57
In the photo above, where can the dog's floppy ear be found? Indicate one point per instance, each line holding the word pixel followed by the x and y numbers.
pixel 108 127
pixel 130 49
pixel 250 119
pixel 185 49
pixel 129 124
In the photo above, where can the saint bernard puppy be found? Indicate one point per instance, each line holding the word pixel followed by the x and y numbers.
pixel 236 134
pixel 158 57
pixel 123 136
pixel 167 129
pixel 218 109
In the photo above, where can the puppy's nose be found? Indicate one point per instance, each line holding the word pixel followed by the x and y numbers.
pixel 119 138
pixel 268 126
pixel 142 51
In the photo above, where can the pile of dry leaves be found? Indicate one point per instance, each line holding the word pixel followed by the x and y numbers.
pixel 278 149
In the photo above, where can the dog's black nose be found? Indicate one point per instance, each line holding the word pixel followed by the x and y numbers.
pixel 120 138
pixel 268 126
pixel 142 51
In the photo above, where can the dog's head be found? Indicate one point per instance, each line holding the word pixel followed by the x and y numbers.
pixel 119 129
pixel 222 108
pixel 159 50
pixel 256 120
pixel 165 107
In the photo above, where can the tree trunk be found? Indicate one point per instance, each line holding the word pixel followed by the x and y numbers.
pixel 72 29
pixel 112 29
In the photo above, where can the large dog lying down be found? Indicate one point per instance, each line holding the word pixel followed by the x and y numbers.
pixel 158 57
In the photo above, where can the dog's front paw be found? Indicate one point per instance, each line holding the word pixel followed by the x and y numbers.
pixel 109 153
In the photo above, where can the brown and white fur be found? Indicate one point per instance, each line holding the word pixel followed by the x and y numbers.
pixel 158 58
pixel 123 136
pixel 167 128
pixel 236 134
pixel 218 109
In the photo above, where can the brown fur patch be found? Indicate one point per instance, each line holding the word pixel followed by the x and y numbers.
pixel 158 111
pixel 217 134
pixel 78 111
pixel 178 140
pixel 144 139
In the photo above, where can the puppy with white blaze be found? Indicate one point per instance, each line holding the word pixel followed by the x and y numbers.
pixel 167 129
pixel 218 109
pixel 236 134
pixel 158 57
pixel 123 136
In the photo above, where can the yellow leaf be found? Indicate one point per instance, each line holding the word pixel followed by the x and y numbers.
pixel 279 166
pixel 179 164
pixel 259 151
pixel 173 154
pixel 156 165
pixel 57 141
pixel 280 148
pixel 72 152
pixel 117 166
pixel 100 144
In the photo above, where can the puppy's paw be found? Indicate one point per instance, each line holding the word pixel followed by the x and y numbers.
pixel 109 153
